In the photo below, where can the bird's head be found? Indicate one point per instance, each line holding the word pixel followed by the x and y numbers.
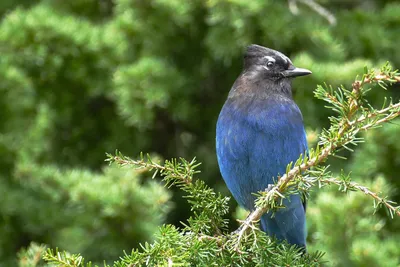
pixel 270 63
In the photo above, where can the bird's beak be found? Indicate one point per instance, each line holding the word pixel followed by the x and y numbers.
pixel 294 72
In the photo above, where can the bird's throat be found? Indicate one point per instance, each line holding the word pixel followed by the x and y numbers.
pixel 248 85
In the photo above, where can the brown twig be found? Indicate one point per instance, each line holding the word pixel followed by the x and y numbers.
pixel 375 114
pixel 365 190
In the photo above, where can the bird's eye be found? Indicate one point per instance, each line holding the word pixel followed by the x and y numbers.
pixel 270 64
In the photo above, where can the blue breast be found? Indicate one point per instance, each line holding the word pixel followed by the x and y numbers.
pixel 256 139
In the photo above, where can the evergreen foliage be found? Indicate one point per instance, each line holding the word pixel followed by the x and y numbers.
pixel 82 77
pixel 204 239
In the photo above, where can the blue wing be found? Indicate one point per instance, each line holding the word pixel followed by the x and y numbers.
pixel 256 139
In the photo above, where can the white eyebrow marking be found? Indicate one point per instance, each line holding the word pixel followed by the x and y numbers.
pixel 270 58
pixel 284 58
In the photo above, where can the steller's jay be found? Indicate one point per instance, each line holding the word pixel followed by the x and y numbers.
pixel 259 131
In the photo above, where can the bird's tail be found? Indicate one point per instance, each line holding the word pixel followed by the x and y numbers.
pixel 282 229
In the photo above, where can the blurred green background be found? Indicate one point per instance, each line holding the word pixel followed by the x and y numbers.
pixel 79 78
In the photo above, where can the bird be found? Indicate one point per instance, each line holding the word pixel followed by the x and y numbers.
pixel 259 131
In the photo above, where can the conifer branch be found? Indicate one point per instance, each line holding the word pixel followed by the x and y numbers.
pixel 211 206
pixel 65 259
pixel 353 186
pixel 323 12
pixel 174 172
pixel 393 108
pixel 343 131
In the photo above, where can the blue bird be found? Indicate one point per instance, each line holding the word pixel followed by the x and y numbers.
pixel 259 131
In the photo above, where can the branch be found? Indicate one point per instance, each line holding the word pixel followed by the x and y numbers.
pixel 323 12
pixel 376 114
pixel 344 134
pixel 65 259
pixel 172 171
pixel 205 203
pixel 365 190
